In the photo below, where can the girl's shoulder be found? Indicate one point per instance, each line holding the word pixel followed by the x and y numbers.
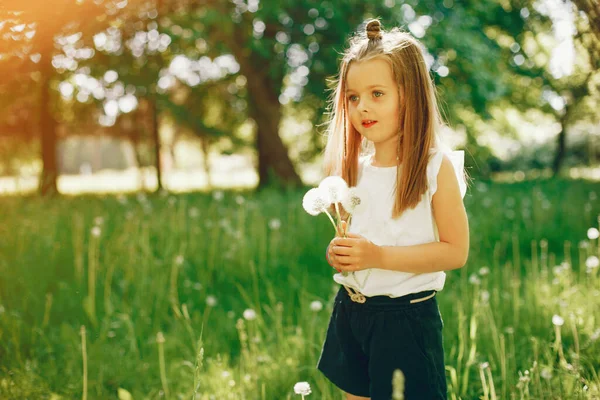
pixel 457 159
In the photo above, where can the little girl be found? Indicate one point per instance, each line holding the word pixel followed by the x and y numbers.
pixel 413 227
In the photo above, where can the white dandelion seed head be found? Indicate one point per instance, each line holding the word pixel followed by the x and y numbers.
pixel 593 233
pixel 335 187
pixel 592 262
pixel 194 213
pixel 483 271
pixel 239 200
pixel 557 320
pixel 546 373
pixel 211 301
pixel 315 201
pixel 249 314
pixel 179 259
pixel 354 202
pixel 96 231
pixel 484 365
pixel 218 195
pixel 302 388
pixel 316 306
pixel 485 296
pixel 275 224
pixel 474 279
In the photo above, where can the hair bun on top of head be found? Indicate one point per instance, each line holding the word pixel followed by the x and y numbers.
pixel 373 29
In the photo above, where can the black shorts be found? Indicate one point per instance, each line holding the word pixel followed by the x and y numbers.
pixel 366 342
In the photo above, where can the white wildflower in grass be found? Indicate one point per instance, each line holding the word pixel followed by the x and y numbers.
pixel 485 296
pixel 484 365
pixel 483 271
pixel 557 320
pixel 218 195
pixel 239 200
pixel 474 279
pixel 316 306
pixel 179 259
pixel 274 224
pixel 546 373
pixel 99 221
pixel 593 233
pixel 595 335
pixel 592 262
pixel 211 301
pixel 96 231
pixel 249 314
pixel 302 388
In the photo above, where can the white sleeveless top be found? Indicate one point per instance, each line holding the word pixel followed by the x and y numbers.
pixel 415 226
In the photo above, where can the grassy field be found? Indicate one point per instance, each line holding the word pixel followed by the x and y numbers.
pixel 227 295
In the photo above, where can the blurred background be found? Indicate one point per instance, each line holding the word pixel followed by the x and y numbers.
pixel 183 95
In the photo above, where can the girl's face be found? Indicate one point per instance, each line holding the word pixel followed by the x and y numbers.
pixel 372 95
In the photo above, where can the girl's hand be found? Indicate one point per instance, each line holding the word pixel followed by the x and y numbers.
pixel 353 253
pixel 341 231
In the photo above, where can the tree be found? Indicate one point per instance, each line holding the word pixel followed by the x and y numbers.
pixel 44 21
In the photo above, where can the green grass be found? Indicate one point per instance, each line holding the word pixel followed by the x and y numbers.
pixel 160 262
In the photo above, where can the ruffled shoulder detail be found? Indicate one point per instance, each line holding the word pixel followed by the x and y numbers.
pixel 457 158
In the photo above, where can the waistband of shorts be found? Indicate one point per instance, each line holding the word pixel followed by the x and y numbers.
pixel 387 301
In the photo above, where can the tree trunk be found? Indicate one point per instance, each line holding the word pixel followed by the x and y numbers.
pixel 47 128
pixel 204 143
pixel 561 143
pixel 156 140
pixel 265 109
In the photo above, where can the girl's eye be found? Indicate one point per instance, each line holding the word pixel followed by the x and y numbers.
pixel 377 91
pixel 351 97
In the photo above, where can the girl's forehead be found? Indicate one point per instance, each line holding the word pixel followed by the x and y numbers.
pixel 366 74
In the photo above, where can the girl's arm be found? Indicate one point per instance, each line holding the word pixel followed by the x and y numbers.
pixel 452 251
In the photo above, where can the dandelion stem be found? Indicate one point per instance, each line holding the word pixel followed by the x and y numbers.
pixel 332 222
pixel 84 356
pixel 161 360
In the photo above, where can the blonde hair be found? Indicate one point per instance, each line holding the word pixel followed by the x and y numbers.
pixel 418 114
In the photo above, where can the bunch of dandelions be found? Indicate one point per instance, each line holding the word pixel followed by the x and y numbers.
pixel 333 190
pixel 302 388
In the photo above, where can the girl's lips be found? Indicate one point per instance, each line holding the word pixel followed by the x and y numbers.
pixel 369 124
